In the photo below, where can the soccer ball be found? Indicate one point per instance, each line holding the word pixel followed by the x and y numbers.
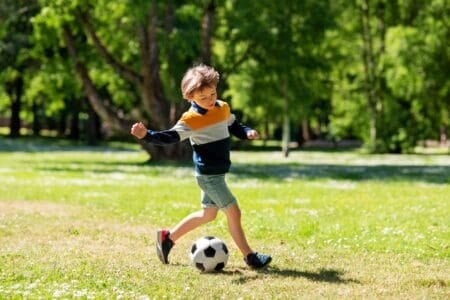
pixel 209 254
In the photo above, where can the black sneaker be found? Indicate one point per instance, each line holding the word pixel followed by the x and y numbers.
pixel 257 261
pixel 163 245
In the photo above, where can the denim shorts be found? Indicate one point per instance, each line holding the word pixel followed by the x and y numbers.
pixel 215 192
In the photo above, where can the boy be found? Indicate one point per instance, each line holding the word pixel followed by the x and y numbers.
pixel 208 124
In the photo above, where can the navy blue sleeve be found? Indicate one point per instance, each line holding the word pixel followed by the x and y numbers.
pixel 239 130
pixel 162 137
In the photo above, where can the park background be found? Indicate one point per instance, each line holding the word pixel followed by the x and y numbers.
pixel 351 174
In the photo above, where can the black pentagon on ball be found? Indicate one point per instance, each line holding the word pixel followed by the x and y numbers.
pixel 219 266
pixel 194 248
pixel 200 266
pixel 210 252
pixel 209 237
pixel 225 249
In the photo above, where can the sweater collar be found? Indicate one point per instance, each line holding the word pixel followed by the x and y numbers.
pixel 202 110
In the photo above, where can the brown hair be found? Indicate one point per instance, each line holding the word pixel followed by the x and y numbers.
pixel 198 77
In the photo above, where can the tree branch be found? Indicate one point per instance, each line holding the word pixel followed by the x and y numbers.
pixel 226 72
pixel 121 68
pixel 101 108
pixel 152 89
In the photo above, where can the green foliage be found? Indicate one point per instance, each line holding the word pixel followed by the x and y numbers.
pixel 180 47
pixel 301 58
pixel 278 54
pixel 412 66
pixel 417 108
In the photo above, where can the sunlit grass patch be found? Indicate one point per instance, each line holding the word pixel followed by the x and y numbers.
pixel 80 224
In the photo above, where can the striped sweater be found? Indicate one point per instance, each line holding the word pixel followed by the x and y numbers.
pixel 209 135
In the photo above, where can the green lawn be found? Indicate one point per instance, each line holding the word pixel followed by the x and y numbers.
pixel 79 222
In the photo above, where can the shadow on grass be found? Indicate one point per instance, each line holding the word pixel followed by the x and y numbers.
pixel 267 172
pixel 29 143
pixel 245 274
pixel 323 275
pixel 425 173
pixel 53 144
pixel 109 167
pixel 439 174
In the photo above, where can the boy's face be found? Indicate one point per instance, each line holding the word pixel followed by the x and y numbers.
pixel 206 97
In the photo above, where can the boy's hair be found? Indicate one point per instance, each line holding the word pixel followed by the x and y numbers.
pixel 197 78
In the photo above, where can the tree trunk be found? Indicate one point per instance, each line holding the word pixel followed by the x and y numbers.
pixel 75 120
pixel 305 130
pixel 369 70
pixel 150 85
pixel 15 91
pixel 207 31
pixel 36 126
pixel 153 95
pixel 380 80
pixel 75 126
pixel 93 127
pixel 443 135
pixel 62 123
pixel 266 133
pixel 105 112
pixel 286 133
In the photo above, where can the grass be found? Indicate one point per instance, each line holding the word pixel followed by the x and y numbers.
pixel 78 222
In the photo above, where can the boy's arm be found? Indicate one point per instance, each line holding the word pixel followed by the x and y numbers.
pixel 241 131
pixel 162 137
pixel 170 136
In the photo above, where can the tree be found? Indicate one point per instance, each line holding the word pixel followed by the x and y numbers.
pixel 97 37
pixel 382 93
pixel 14 59
pixel 282 68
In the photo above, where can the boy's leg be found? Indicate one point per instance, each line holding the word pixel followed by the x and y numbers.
pixel 253 259
pixel 215 190
pixel 165 239
pixel 233 214
pixel 192 221
pixel 163 245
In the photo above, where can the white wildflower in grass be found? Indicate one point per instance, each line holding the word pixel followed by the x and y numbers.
pixel 177 205
pixel 58 293
pixel 270 201
pixel 117 176
pixel 32 285
pixel 253 183
pixel 80 293
pixel 303 212
pixel 301 201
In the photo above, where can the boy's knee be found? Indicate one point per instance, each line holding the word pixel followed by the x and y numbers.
pixel 208 217
pixel 233 212
pixel 237 212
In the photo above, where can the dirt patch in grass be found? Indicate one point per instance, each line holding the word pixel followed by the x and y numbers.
pixel 57 249
pixel 62 228
pixel 14 207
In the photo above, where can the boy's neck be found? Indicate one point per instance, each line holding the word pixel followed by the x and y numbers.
pixel 200 109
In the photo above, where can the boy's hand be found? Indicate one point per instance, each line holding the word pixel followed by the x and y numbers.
pixel 252 135
pixel 139 130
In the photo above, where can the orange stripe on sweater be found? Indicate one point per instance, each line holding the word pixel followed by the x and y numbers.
pixel 216 115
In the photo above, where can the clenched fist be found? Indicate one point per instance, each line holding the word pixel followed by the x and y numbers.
pixel 252 135
pixel 139 130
